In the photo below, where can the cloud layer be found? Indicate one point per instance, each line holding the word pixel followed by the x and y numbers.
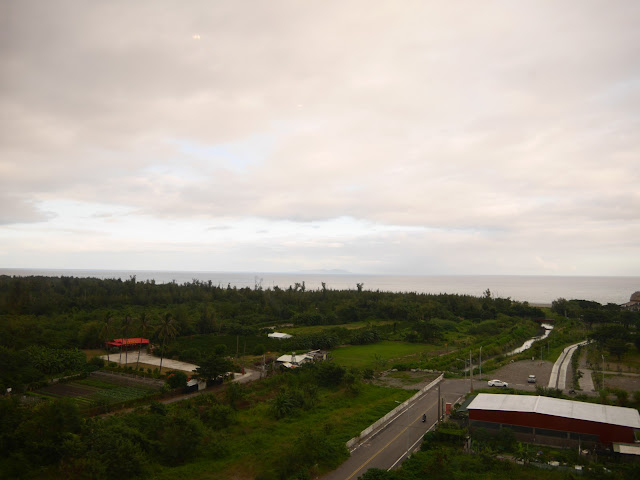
pixel 398 137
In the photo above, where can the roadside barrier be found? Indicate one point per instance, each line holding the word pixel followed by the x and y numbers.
pixel 400 408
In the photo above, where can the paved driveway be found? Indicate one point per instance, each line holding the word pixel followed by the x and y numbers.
pixel 151 360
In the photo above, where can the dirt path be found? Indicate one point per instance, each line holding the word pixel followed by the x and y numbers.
pixel 586 380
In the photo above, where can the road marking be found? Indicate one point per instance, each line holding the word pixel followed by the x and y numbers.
pixel 389 443
pixel 411 447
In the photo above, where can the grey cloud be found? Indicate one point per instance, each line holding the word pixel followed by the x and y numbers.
pixel 18 209
pixel 493 118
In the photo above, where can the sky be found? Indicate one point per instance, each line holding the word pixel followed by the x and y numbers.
pixel 384 137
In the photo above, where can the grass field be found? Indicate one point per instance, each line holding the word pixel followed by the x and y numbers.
pixel 379 354
pixel 319 328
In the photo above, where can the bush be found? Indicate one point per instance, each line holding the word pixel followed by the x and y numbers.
pixel 218 416
pixel 329 374
pixel 158 408
pixel 97 361
pixel 176 379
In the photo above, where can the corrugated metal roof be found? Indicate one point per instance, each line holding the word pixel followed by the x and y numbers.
pixel 557 407
pixel 278 335
pixel 626 448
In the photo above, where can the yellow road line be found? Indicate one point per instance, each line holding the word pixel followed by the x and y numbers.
pixel 389 443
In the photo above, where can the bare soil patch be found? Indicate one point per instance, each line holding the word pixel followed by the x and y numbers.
pixel 126 379
pixel 67 390
pixel 628 383
pixel 407 380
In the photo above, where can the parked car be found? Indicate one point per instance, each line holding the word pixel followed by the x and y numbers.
pixel 531 379
pixel 497 383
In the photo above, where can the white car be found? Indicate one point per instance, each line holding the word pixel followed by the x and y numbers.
pixel 498 383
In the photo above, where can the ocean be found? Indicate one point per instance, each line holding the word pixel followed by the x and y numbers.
pixel 539 290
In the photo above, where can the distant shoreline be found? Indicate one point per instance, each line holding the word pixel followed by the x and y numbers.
pixel 538 291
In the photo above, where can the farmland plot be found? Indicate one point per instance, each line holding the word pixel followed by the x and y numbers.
pixel 91 392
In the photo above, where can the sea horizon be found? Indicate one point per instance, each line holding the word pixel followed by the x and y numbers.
pixel 535 289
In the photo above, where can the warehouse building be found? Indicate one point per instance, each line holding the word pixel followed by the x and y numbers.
pixel 554 421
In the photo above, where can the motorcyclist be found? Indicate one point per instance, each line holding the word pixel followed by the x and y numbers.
pixel 424 417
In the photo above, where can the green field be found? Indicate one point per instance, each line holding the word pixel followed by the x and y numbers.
pixel 305 330
pixel 377 354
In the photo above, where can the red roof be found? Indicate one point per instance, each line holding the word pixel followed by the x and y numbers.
pixel 118 342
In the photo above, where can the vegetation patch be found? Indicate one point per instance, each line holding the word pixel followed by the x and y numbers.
pixel 89 392
pixel 380 354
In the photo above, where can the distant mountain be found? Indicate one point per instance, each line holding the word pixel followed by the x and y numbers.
pixel 332 271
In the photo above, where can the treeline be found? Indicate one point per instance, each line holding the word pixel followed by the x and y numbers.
pixel 593 313
pixel 68 313
pixel 34 364
pixel 38 295
pixel 612 329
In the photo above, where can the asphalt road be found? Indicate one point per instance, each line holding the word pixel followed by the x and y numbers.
pixel 389 446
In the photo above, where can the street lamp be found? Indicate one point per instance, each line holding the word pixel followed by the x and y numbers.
pixel 480 361
pixel 602 371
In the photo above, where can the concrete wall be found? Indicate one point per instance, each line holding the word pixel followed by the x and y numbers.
pixel 399 409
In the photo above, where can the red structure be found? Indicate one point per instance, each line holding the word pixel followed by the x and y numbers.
pixel 127 343
pixel 555 421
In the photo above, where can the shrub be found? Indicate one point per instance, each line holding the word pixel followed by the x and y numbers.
pixel 158 408
pixel 97 361
pixel 176 379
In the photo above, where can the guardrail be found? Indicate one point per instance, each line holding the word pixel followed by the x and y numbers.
pixel 400 408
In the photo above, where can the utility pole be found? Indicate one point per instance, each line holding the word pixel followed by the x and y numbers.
pixel 480 361
pixel 602 371
pixel 470 371
pixel 439 403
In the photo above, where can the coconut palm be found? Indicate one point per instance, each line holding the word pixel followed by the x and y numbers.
pixel 144 322
pixel 167 328
pixel 105 330
pixel 126 324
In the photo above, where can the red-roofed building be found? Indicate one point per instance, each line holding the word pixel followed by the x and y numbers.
pixel 554 421
pixel 128 343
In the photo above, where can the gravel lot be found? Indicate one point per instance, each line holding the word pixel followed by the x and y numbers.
pixel 630 383
pixel 516 373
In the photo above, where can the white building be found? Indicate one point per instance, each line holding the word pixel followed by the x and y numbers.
pixel 280 336
pixel 293 360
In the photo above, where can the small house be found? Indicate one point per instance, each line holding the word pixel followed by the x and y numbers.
pixel 293 360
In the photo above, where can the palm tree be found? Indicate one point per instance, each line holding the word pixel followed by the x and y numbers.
pixel 167 328
pixel 144 323
pixel 104 331
pixel 126 323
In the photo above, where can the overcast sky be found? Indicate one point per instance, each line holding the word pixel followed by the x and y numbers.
pixel 370 136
